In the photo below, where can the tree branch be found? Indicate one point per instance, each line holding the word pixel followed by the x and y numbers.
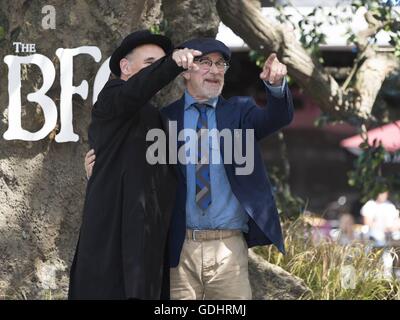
pixel 266 37
pixel 369 80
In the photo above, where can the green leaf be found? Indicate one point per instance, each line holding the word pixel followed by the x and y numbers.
pixel 2 33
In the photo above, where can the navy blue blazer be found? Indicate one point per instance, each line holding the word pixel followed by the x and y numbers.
pixel 254 190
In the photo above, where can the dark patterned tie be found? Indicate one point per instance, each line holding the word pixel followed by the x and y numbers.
pixel 203 186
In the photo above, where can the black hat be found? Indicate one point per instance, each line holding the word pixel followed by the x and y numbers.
pixel 208 45
pixel 134 40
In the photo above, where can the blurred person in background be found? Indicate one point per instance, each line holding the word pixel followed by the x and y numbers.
pixel 381 217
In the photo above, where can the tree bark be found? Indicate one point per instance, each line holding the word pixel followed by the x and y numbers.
pixel 42 183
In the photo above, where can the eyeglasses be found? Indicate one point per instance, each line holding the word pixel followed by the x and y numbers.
pixel 206 64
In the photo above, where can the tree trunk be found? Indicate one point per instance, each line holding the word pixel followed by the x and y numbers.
pixel 42 184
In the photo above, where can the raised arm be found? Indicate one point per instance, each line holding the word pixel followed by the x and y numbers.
pixel 142 86
pixel 279 109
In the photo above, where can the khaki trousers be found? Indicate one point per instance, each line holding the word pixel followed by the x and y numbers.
pixel 212 270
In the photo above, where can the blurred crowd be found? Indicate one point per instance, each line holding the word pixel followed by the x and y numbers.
pixel 377 223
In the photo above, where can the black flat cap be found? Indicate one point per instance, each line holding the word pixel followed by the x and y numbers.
pixel 134 40
pixel 207 45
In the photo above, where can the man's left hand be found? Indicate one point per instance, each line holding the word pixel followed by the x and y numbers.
pixel 273 71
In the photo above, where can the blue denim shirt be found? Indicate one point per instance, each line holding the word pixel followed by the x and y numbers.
pixel 225 211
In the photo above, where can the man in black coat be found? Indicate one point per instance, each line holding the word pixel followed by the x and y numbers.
pixel 128 202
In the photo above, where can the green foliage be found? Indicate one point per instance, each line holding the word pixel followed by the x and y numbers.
pixel 160 28
pixel 2 33
pixel 312 35
pixel 155 29
pixel 310 25
pixel 384 14
pixel 368 176
pixel 257 58
pixel 289 205
pixel 320 265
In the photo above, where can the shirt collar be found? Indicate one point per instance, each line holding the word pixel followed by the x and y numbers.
pixel 189 100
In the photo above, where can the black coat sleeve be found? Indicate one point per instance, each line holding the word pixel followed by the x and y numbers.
pixel 125 98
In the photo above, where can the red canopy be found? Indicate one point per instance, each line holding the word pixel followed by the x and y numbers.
pixel 388 134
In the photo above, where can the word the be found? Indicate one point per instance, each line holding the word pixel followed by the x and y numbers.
pixel 24 47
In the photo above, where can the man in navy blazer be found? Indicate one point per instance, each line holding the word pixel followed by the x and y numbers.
pixel 219 213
